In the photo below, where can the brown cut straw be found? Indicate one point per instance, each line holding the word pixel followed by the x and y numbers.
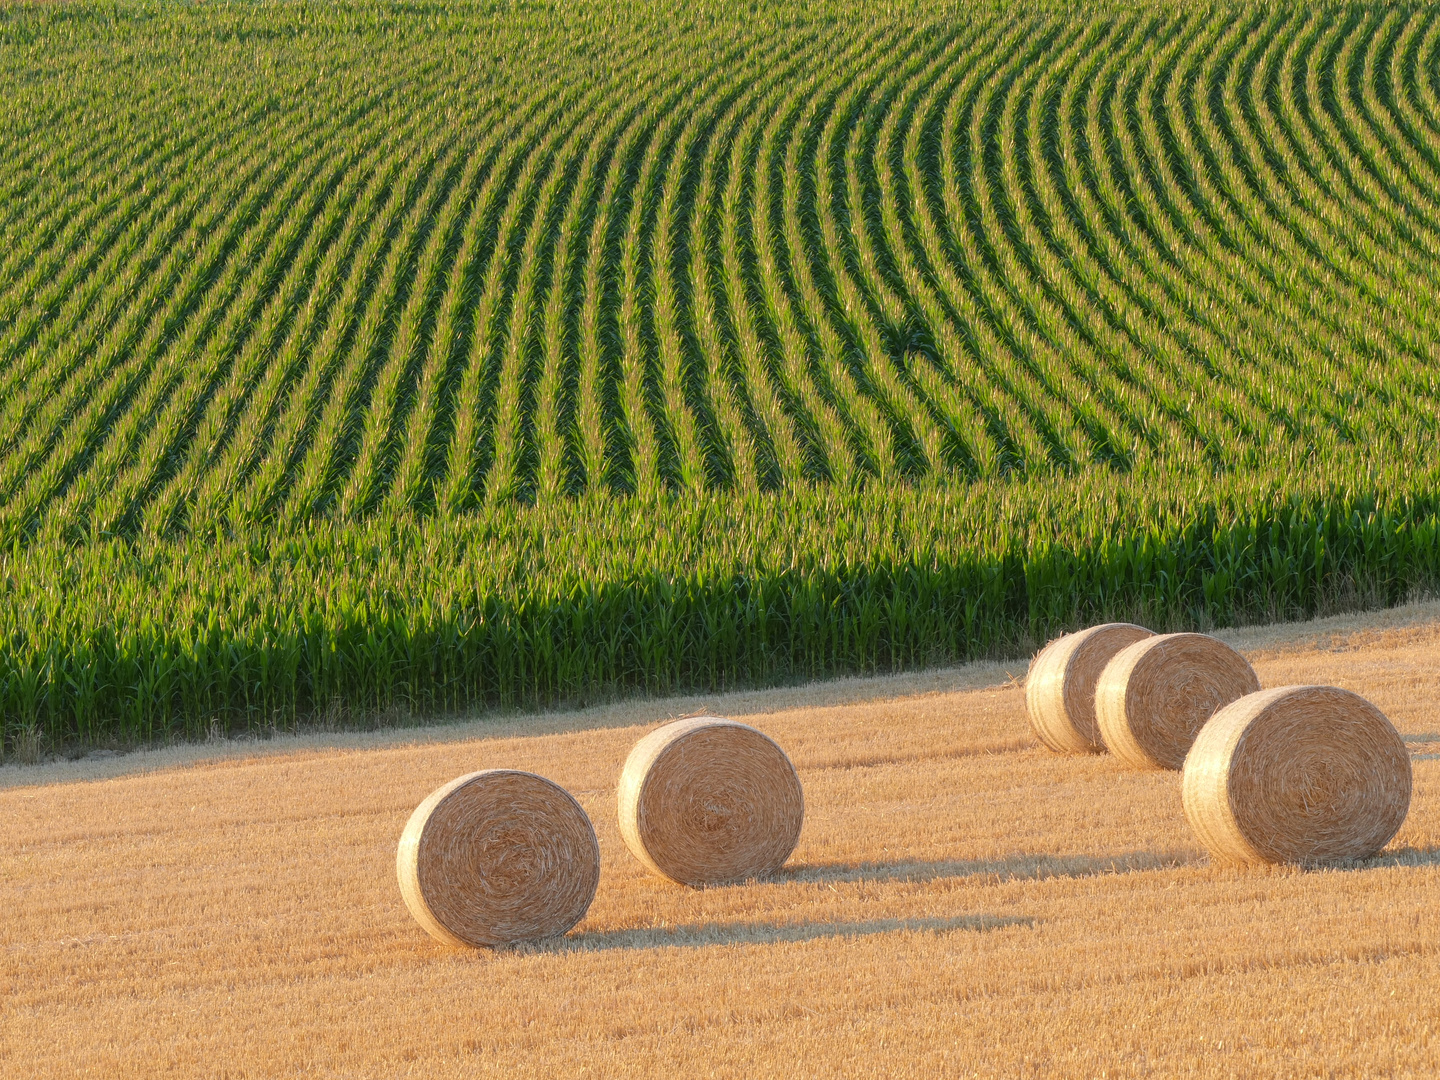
pixel 1060 687
pixel 1155 695
pixel 496 857
pixel 1299 774
pixel 706 801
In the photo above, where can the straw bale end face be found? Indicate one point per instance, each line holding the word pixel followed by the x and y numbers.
pixel 497 857
pixel 1154 696
pixel 708 801
pixel 1060 686
pixel 1299 774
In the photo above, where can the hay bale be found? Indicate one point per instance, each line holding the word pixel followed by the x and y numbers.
pixel 1154 696
pixel 1060 687
pixel 496 857
pixel 1299 774
pixel 706 801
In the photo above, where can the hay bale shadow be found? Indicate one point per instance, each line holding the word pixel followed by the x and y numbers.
pixel 703 935
pixel 1405 856
pixel 1027 867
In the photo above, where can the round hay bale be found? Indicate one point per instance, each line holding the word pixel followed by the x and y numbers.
pixel 1154 696
pixel 1299 774
pixel 496 857
pixel 706 801
pixel 1060 687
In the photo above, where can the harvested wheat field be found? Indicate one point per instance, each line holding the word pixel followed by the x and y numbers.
pixel 962 902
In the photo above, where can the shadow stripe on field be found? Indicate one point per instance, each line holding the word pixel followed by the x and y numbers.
pixel 869 761
pixel 1405 856
pixel 1014 867
pixel 707 934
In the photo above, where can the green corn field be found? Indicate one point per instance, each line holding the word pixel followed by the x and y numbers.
pixel 423 356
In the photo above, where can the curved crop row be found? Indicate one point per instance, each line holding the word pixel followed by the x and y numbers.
pixel 443 354
pixel 915 253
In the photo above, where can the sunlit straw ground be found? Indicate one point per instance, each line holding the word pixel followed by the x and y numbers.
pixel 962 903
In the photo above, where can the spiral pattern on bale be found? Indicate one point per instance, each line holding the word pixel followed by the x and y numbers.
pixel 1154 696
pixel 708 801
pixel 1298 774
pixel 497 857
pixel 1060 687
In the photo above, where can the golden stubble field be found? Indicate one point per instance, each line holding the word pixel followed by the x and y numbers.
pixel 962 902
